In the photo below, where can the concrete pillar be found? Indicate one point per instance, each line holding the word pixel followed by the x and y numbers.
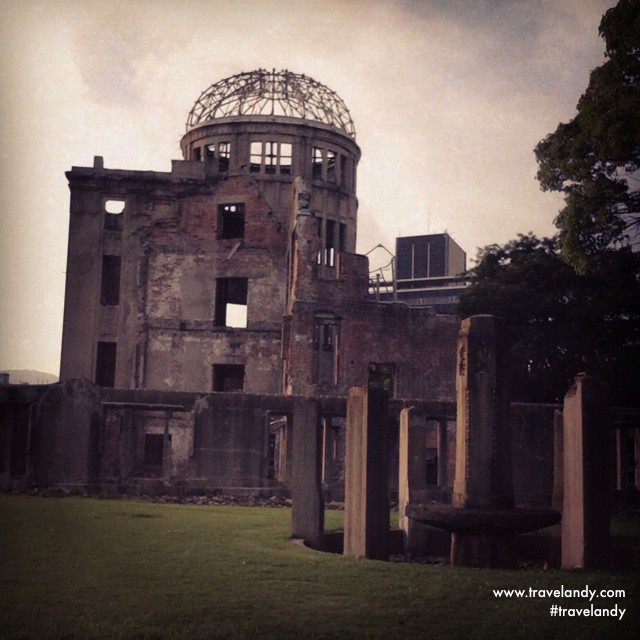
pixel 586 510
pixel 412 487
pixel 366 515
pixel 483 440
pixel 558 461
pixel 307 504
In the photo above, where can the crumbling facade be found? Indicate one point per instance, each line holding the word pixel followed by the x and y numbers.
pixel 237 270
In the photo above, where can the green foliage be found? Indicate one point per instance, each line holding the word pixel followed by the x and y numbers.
pixel 122 570
pixel 595 158
pixel 560 322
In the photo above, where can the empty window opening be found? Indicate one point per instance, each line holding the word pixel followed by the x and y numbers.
pixel 114 206
pixel 271 157
pixel 316 163
pixel 154 449
pixel 285 158
pixel 110 284
pixel 256 157
pixel 343 170
pixel 224 156
pixel 329 244
pixel 325 337
pixel 331 166
pixel 431 466
pixel 382 376
pixel 197 154
pixel 106 364
pixel 333 238
pixel 231 302
pixel 219 153
pixel 228 377
pixel 231 220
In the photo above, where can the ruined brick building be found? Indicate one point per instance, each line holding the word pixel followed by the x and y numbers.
pixel 204 307
pixel 237 271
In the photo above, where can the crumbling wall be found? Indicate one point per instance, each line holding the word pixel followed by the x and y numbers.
pixel 418 344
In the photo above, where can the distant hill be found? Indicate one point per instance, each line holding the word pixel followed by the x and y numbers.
pixel 28 376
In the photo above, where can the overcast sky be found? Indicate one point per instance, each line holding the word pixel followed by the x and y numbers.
pixel 449 98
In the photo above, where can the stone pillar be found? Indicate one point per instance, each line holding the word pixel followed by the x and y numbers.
pixel 366 515
pixel 483 439
pixel 558 461
pixel 307 504
pixel 585 510
pixel 412 487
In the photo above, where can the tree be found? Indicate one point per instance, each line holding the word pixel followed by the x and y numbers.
pixel 560 322
pixel 595 158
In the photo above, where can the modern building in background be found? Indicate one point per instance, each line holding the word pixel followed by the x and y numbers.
pixel 426 271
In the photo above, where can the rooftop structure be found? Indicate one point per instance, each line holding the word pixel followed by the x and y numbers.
pixel 271 93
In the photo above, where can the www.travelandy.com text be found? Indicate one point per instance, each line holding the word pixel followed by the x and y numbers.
pixel 556 610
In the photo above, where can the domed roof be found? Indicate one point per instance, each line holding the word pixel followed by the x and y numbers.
pixel 272 93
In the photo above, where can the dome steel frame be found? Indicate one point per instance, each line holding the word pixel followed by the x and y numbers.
pixel 272 93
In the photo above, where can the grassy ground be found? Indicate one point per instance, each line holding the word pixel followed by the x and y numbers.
pixel 116 569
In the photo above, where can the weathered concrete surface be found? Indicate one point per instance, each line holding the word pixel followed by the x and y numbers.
pixel 307 508
pixel 412 487
pixel 586 499
pixel 366 517
pixel 483 446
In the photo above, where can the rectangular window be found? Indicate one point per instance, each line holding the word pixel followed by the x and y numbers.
pixel 196 154
pixel 153 449
pixel 332 235
pixel 228 377
pixel 224 156
pixel 285 158
pixel 331 166
pixel 110 284
pixel 231 220
pixel 329 244
pixel 106 364
pixel 343 170
pixel 316 163
pixel 256 157
pixel 271 157
pixel 216 152
pixel 231 302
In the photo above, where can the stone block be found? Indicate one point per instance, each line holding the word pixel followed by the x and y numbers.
pixel 586 507
pixel 366 518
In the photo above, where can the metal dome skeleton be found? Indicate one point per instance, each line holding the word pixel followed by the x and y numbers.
pixel 272 93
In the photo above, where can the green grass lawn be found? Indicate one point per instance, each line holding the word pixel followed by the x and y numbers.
pixel 120 569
